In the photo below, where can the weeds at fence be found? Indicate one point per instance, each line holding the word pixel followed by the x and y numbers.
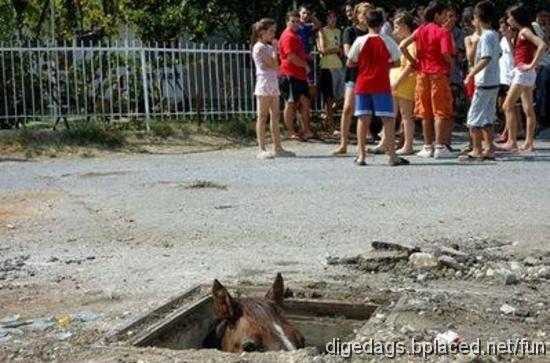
pixel 83 137
pixel 241 130
pixel 80 134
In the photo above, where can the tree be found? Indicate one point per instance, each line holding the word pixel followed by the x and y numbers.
pixel 163 20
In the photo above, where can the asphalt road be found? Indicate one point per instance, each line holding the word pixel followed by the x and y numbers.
pixel 152 235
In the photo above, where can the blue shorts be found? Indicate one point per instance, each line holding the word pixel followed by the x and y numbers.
pixel 378 104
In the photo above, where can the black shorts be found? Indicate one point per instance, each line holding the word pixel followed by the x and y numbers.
pixel 292 88
pixel 351 74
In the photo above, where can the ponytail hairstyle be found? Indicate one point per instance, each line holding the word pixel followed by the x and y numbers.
pixel 259 26
pixel 405 18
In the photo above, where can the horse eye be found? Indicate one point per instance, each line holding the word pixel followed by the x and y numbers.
pixel 249 347
pixel 252 347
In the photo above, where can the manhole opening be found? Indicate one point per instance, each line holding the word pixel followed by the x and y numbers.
pixel 187 323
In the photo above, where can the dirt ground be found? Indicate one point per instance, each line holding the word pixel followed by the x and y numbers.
pixel 87 244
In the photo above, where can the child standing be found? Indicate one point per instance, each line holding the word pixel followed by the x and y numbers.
pixel 506 64
pixel 403 81
pixel 293 78
pixel 374 53
pixel 264 53
pixel 332 68
pixel 359 28
pixel 433 97
pixel 485 72
pixel 528 51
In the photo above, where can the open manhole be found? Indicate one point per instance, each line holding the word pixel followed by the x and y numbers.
pixel 187 320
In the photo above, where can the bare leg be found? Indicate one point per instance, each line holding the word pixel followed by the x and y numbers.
pixel 509 107
pixel 475 133
pixel 407 122
pixel 527 103
pixel 263 113
pixel 304 113
pixel 274 124
pixel 289 114
pixel 448 127
pixel 389 137
pixel 487 133
pixel 441 132
pixel 382 143
pixel 345 121
pixel 362 126
pixel 428 131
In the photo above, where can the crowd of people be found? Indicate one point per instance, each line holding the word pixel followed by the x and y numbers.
pixel 409 66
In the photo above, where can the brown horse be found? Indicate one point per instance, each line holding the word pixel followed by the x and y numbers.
pixel 252 324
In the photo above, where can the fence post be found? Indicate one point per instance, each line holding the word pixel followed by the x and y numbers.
pixel 145 88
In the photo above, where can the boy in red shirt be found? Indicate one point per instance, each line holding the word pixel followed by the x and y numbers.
pixel 374 53
pixel 433 96
pixel 293 77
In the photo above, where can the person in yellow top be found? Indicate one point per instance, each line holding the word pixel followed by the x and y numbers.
pixel 332 68
pixel 403 82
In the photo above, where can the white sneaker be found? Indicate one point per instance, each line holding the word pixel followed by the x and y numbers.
pixel 426 152
pixel 442 152
pixel 264 155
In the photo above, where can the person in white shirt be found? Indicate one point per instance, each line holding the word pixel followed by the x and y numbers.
pixel 506 64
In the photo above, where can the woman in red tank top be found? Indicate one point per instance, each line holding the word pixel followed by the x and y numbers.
pixel 528 51
pixel 524 51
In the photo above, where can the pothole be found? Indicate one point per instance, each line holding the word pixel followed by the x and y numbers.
pixel 188 320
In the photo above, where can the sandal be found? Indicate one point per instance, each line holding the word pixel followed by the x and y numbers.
pixel 284 154
pixel 503 150
pixel 339 151
pixel 377 151
pixel 469 158
pixel 360 163
pixel 399 161
pixel 310 135
pixel 296 137
pixel 502 138
pixel 404 152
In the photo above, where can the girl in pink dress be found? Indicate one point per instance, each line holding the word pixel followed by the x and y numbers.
pixel 264 53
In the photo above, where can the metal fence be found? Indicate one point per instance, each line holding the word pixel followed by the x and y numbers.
pixel 121 81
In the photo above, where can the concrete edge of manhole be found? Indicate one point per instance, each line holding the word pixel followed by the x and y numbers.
pixel 125 332
pixel 147 326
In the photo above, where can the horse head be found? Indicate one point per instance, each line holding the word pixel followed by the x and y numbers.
pixel 254 324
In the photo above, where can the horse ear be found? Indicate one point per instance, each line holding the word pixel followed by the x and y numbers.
pixel 223 302
pixel 276 293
